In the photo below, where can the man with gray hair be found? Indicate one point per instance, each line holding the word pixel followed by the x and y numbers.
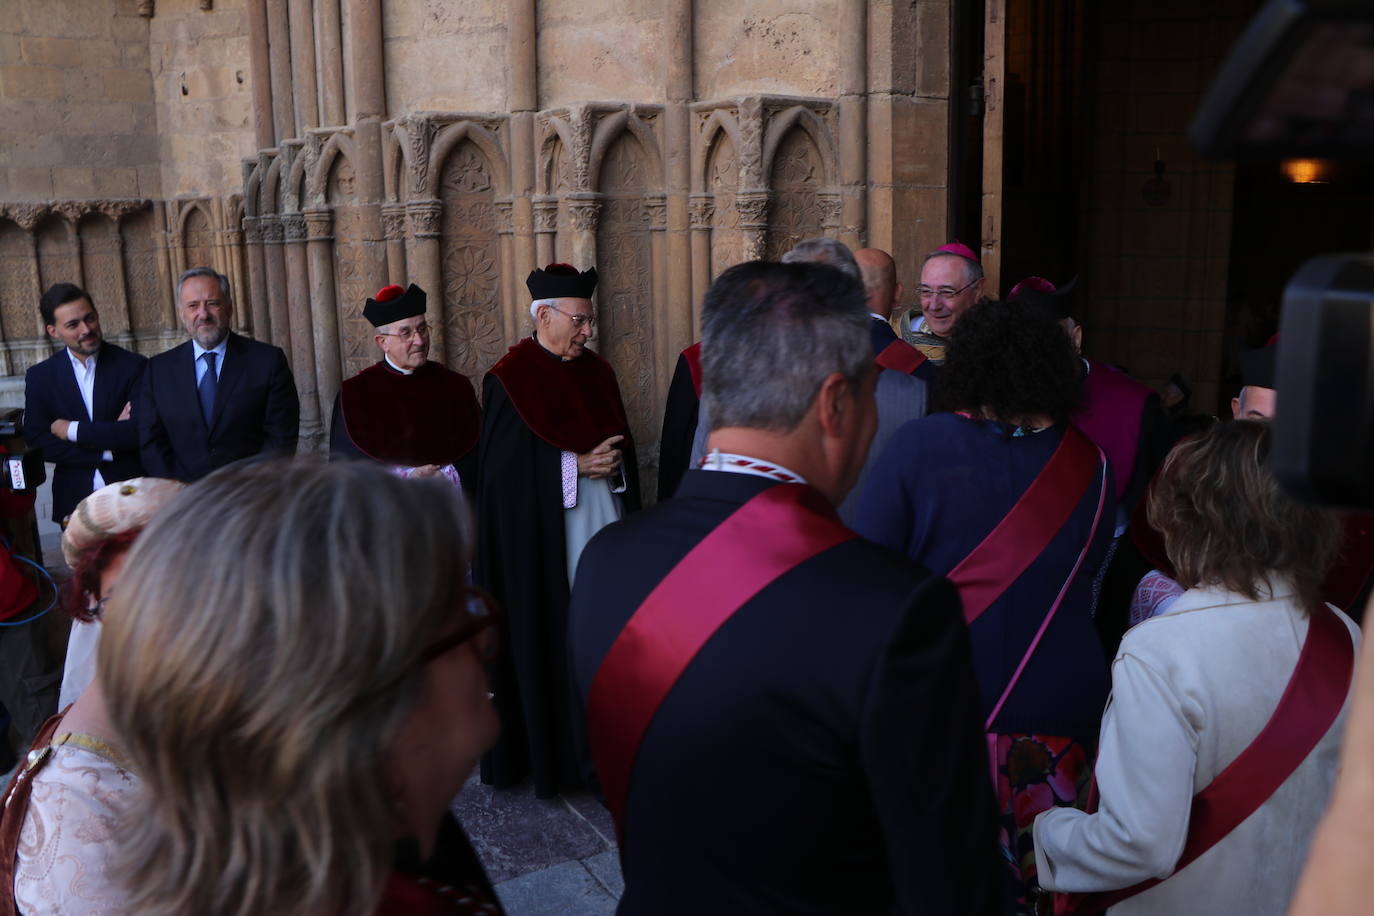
pixel 216 398
pixel 742 657
pixel 900 396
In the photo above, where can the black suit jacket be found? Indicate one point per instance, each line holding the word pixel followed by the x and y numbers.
pixel 51 393
pixel 821 754
pixel 256 410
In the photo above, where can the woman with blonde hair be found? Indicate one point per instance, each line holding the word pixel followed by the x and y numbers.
pixel 1219 743
pixel 294 663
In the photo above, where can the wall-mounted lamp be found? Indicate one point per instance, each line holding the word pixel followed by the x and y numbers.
pixel 1306 171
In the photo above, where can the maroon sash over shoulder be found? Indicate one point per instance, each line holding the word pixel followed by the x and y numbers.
pixel 1024 532
pixel 1310 704
pixel 572 404
pixel 901 356
pixel 693 356
pixel 770 535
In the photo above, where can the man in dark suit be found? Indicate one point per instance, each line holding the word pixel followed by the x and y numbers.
pixel 77 401
pixel 790 723
pixel 218 397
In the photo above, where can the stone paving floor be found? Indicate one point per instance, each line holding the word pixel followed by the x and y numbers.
pixel 546 857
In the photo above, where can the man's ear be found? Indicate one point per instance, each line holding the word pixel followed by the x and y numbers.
pixel 833 404
pixel 52 330
pixel 1076 335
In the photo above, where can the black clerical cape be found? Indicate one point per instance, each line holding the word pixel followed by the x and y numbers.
pixel 679 421
pixel 535 406
pixel 821 753
pixel 428 417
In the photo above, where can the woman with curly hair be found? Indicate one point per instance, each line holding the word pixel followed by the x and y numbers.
pixel 1195 692
pixel 1015 506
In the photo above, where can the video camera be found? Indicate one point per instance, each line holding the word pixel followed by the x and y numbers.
pixel 1300 84
pixel 21 469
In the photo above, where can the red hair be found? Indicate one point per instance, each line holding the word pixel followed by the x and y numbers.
pixel 83 589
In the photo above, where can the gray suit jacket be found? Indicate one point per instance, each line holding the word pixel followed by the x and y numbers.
pixel 901 398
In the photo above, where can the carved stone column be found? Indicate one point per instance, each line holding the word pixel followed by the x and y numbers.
pixel 505 228
pixel 28 216
pixel 116 211
pixel 394 228
pixel 523 90
pixel 328 27
pixel 853 166
pixel 302 335
pixel 232 239
pixel 584 209
pixel 164 267
pixel 545 225
pixel 260 68
pixel 273 235
pixel 304 86
pixel 831 205
pixel 703 211
pixel 425 219
pixel 257 279
pixel 71 212
pixel 279 49
pixel 656 219
pixel 753 221
pixel 677 305
pixel 324 310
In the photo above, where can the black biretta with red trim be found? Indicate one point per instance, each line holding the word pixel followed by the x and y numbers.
pixel 394 304
pixel 561 281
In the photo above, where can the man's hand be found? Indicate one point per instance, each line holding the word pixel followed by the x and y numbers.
pixel 426 470
pixel 59 428
pixel 602 461
pixel 128 410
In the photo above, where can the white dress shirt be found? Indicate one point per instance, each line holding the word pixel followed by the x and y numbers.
pixel 85 381
pixel 198 351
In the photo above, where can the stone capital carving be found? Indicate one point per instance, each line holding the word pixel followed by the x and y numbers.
pixel 545 214
pixel 585 213
pixel 394 222
pixel 656 211
pixel 753 209
pixel 319 224
pixel 505 217
pixel 829 202
pixel 272 230
pixel 252 231
pixel 145 8
pixel 175 240
pixel 702 210
pixel 26 215
pixel 207 5
pixel 119 208
pixel 425 218
pixel 233 237
pixel 72 210
pixel 419 136
pixel 293 227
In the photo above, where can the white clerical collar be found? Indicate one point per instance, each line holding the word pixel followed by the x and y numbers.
pixel 717 460
pixel 878 317
pixel 396 367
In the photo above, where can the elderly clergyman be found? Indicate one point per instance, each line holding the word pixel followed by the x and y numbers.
pixel 745 659
pixel 556 466
pixel 951 281
pixel 407 411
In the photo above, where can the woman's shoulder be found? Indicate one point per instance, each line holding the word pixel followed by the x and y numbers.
pixel 69 828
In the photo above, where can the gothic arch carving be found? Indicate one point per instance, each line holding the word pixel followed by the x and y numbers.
pixel 394 164
pixel 252 188
pixel 720 123
pixel 722 181
pixel 470 266
pixel 339 145
pixel 557 134
pixel 625 293
pixel 796 177
pixel 802 118
pixel 184 214
pixel 293 188
pixel 270 192
pixel 452 136
pixel 610 129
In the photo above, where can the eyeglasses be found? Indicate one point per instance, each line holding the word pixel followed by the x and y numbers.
pixel 927 294
pixel 579 321
pixel 481 627
pixel 406 335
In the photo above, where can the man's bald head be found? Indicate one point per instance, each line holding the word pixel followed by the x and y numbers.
pixel 879 273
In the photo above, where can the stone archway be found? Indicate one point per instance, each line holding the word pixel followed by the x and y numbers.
pixel 797 180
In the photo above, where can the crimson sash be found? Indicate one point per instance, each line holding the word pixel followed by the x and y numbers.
pixel 1310 704
pixel 901 356
pixel 1024 532
pixel 768 536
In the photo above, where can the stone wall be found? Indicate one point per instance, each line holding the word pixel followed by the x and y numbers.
pixel 77 102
